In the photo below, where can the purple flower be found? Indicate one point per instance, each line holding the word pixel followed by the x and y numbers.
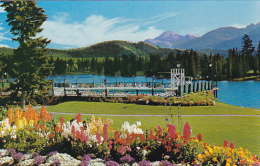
pixel 56 162
pixel 52 153
pixel 144 163
pixel 165 163
pixel 127 159
pixel 12 151
pixel 35 154
pixel 111 163
pixel 84 163
pixel 86 157
pixel 0 154
pixel 107 159
pixel 17 156
pixel 91 155
pixel 39 160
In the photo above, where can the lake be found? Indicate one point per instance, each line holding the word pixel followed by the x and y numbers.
pixel 244 94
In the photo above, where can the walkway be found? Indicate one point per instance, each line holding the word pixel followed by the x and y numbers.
pixel 64 113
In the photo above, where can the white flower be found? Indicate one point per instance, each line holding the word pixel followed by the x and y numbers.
pixel 65 159
pixel 5 160
pixel 144 152
pixel 138 123
pixel 134 128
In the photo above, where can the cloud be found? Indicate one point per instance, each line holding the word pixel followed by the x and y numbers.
pixel 95 29
pixel 2 10
pixel 160 17
pixel 2 36
pixel 4 45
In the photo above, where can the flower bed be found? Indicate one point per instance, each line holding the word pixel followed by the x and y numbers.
pixel 33 138
pixel 192 99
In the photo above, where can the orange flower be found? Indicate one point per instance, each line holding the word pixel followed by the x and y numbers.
pixel 51 136
pixel 44 115
pixel 10 115
pixel 57 129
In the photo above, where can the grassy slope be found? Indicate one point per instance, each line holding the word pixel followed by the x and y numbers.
pixel 120 108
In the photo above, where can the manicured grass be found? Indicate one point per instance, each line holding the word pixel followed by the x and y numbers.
pixel 243 131
pixel 121 108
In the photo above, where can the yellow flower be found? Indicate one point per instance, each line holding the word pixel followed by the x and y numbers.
pixel 227 164
pixel 210 150
pixel 199 156
pixel 31 122
pixel 207 153
pixel 242 154
pixel 20 124
pixel 214 159
pixel 228 160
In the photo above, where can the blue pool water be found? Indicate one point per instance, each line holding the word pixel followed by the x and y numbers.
pixel 244 94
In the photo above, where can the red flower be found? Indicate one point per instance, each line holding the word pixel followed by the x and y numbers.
pixel 77 135
pixel 105 132
pixel 186 131
pixel 159 131
pixel 98 136
pixel 61 121
pixel 232 145
pixel 226 143
pixel 78 117
pixel 199 137
pixel 151 136
pixel 73 130
pixel 171 131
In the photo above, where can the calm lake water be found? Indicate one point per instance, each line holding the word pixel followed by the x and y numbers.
pixel 244 94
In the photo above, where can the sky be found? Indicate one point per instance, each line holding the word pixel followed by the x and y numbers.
pixel 74 24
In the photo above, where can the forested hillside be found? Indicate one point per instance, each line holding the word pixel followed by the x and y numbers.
pixel 128 59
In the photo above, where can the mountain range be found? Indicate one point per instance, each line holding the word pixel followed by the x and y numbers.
pixel 215 41
pixel 223 38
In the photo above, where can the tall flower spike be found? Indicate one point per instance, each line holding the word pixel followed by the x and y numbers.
pixel 186 131
pixel 78 118
pixel 232 145
pixel 199 137
pixel 105 132
pixel 226 143
pixel 98 136
pixel 61 121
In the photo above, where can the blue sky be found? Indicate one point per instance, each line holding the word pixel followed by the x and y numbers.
pixel 73 24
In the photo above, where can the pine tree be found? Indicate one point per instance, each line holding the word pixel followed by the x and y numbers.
pixel 229 65
pixel 247 50
pixel 117 63
pixel 30 65
pixel 93 64
pixel 258 57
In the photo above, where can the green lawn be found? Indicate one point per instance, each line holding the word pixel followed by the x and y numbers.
pixel 121 108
